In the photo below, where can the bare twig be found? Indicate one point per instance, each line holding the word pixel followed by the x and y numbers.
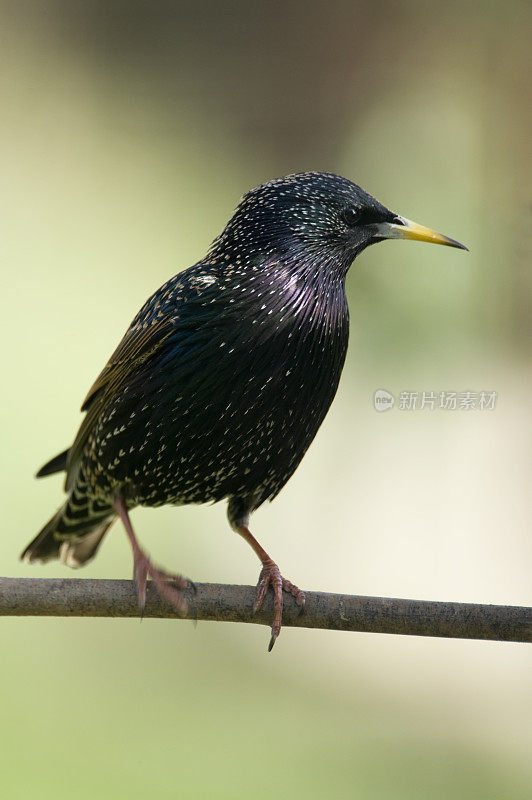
pixel 75 597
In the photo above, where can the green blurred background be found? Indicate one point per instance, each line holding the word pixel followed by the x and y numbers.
pixel 128 132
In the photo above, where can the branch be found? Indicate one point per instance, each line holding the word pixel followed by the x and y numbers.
pixel 75 597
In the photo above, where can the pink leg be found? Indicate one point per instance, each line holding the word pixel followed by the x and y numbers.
pixel 143 567
pixel 270 575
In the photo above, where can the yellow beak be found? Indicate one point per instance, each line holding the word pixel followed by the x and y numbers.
pixel 406 229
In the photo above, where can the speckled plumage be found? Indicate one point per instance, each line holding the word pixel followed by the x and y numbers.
pixel 228 370
pixel 230 410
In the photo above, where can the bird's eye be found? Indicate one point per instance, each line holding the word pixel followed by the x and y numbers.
pixel 351 215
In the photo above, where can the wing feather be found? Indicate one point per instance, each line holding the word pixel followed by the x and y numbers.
pixel 135 348
pixel 141 343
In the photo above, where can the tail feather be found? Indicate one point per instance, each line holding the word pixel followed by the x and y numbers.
pixel 45 546
pixel 56 464
pixel 76 554
pixel 73 534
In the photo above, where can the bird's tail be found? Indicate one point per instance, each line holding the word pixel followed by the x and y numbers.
pixel 73 534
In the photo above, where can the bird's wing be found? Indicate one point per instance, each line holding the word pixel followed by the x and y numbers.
pixel 138 344
pixel 141 342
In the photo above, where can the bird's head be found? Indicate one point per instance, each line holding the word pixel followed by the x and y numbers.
pixel 314 217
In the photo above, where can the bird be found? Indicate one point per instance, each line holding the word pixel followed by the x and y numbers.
pixel 223 378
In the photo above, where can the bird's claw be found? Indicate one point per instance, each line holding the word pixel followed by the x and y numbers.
pixel 270 575
pixel 140 575
pixel 170 586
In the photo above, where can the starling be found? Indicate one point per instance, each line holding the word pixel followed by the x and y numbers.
pixel 224 376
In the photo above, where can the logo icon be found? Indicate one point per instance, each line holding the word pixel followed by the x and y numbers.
pixel 383 400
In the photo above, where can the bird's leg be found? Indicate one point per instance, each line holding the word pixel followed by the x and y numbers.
pixel 143 567
pixel 270 575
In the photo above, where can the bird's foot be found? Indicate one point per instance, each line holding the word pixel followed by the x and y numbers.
pixel 270 575
pixel 170 586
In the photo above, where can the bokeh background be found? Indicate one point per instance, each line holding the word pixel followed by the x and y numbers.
pixel 128 132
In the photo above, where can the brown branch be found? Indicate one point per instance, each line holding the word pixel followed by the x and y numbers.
pixel 75 597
